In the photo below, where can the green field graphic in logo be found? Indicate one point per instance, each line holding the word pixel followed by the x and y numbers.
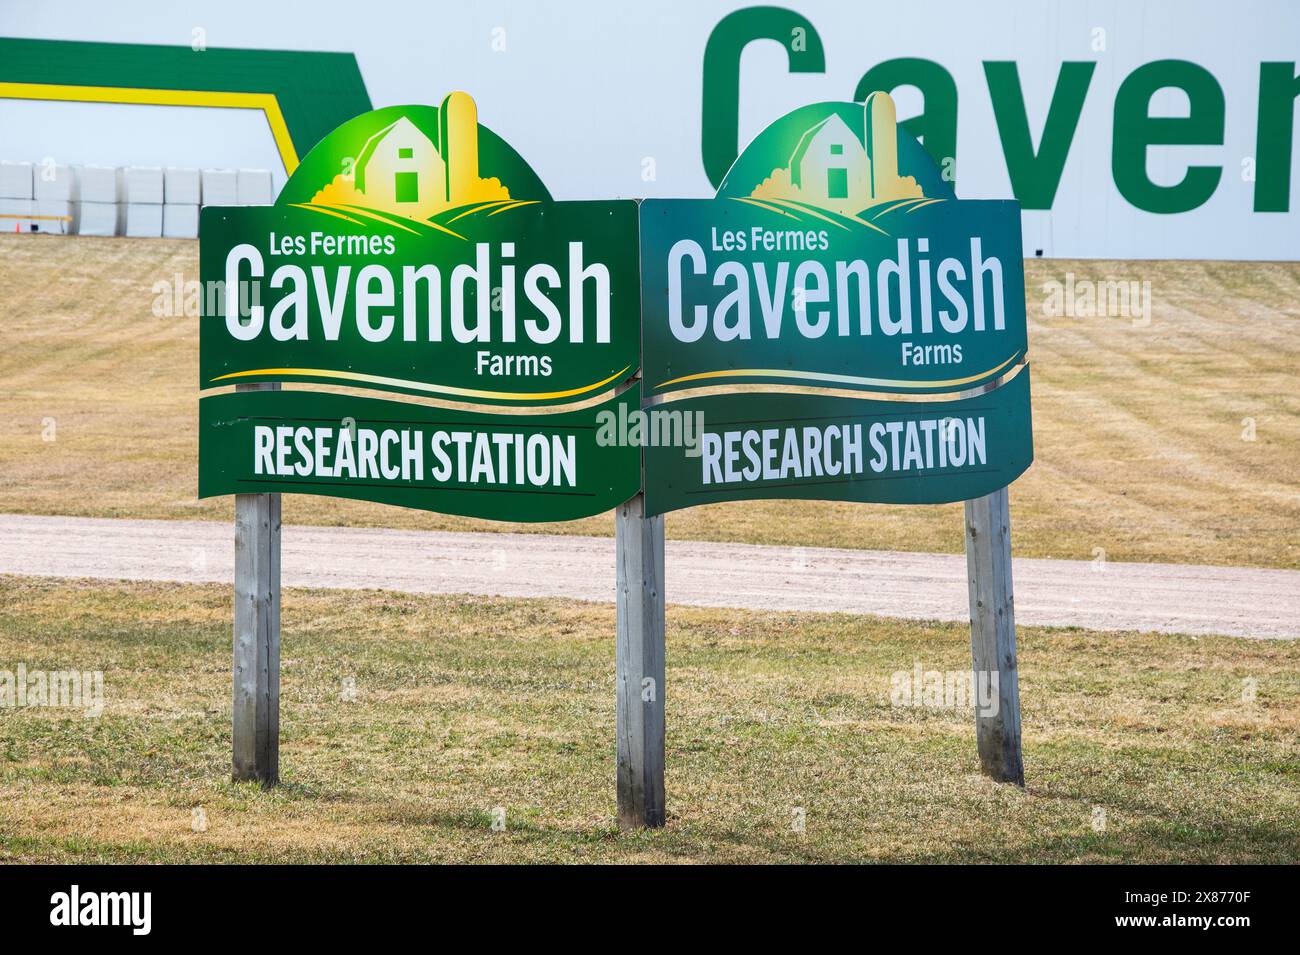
pixel 834 272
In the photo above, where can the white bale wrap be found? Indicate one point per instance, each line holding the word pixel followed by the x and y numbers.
pixel 142 184
pixel 97 184
pixel 181 221
pixel 255 187
pixel 97 218
pixel 53 216
pixel 54 183
pixel 15 215
pixel 220 187
pixel 15 180
pixel 182 187
pixel 143 220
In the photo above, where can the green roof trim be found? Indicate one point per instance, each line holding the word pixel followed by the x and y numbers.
pixel 316 92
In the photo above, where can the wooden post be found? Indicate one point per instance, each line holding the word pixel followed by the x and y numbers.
pixel 993 635
pixel 255 729
pixel 639 665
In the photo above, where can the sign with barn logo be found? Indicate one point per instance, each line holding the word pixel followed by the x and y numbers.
pixel 845 326
pixel 415 254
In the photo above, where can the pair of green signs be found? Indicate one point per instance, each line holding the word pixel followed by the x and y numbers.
pixel 834 325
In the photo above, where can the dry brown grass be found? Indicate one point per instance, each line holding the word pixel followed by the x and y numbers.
pixel 464 704
pixel 1138 430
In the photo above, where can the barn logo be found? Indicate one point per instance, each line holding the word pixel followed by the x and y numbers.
pixel 842 169
pixel 417 173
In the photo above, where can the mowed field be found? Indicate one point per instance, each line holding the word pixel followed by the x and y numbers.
pixel 1175 440
pixel 409 723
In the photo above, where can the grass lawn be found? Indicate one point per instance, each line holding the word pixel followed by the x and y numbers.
pixel 467 704
pixel 1138 428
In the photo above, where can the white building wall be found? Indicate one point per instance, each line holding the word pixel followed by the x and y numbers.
pixel 588 91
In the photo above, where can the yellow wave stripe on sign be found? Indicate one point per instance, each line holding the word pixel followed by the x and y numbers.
pixel 424 386
pixel 922 204
pixel 397 222
pixel 824 391
pixel 835 379
pixel 348 211
pixel 479 207
pixel 326 212
pixel 266 102
pixel 514 205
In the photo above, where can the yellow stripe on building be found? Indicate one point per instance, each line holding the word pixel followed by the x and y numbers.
pixel 266 102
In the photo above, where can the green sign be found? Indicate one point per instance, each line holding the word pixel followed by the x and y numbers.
pixel 844 449
pixel 546 467
pixel 834 324
pixel 414 252
pixel 835 266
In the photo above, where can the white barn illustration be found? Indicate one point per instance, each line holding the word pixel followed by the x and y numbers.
pixel 402 170
pixel 833 168
pixel 399 167
pixel 830 163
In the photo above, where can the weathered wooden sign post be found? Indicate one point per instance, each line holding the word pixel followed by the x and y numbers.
pixel 993 633
pixel 255 714
pixel 835 324
pixel 639 664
